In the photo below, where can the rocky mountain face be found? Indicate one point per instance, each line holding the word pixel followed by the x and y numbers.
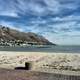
pixel 7 34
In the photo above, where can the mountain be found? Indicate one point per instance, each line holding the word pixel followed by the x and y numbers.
pixel 7 34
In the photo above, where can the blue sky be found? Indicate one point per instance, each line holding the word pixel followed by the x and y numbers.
pixel 57 20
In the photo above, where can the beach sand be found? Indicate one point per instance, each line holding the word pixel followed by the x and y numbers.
pixel 6 74
pixel 41 61
pixel 14 59
pixel 43 66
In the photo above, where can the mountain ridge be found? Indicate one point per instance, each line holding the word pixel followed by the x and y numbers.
pixel 8 34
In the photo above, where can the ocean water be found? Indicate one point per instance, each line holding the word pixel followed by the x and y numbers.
pixel 57 49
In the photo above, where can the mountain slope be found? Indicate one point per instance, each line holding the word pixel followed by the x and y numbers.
pixel 7 34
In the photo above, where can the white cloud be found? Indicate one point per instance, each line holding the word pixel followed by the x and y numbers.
pixel 59 25
pixel 8 8
pixel 67 18
pixel 35 7
pixel 63 40
pixel 53 5
pixel 38 21
pixel 10 25
pixel 11 14
pixel 5 23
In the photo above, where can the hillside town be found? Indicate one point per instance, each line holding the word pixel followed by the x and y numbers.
pixel 16 43
pixel 12 38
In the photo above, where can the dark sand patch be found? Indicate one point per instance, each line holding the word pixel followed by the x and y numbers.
pixel 6 74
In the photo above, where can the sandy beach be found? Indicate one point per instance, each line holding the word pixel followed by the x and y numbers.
pixel 45 66
pixel 14 59
pixel 41 60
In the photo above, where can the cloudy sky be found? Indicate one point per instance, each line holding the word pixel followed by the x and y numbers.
pixel 57 20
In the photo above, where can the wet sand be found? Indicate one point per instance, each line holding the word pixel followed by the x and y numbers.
pixel 6 74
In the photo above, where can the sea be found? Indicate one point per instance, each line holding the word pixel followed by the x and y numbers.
pixel 50 48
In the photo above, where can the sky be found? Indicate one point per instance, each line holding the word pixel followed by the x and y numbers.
pixel 56 20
